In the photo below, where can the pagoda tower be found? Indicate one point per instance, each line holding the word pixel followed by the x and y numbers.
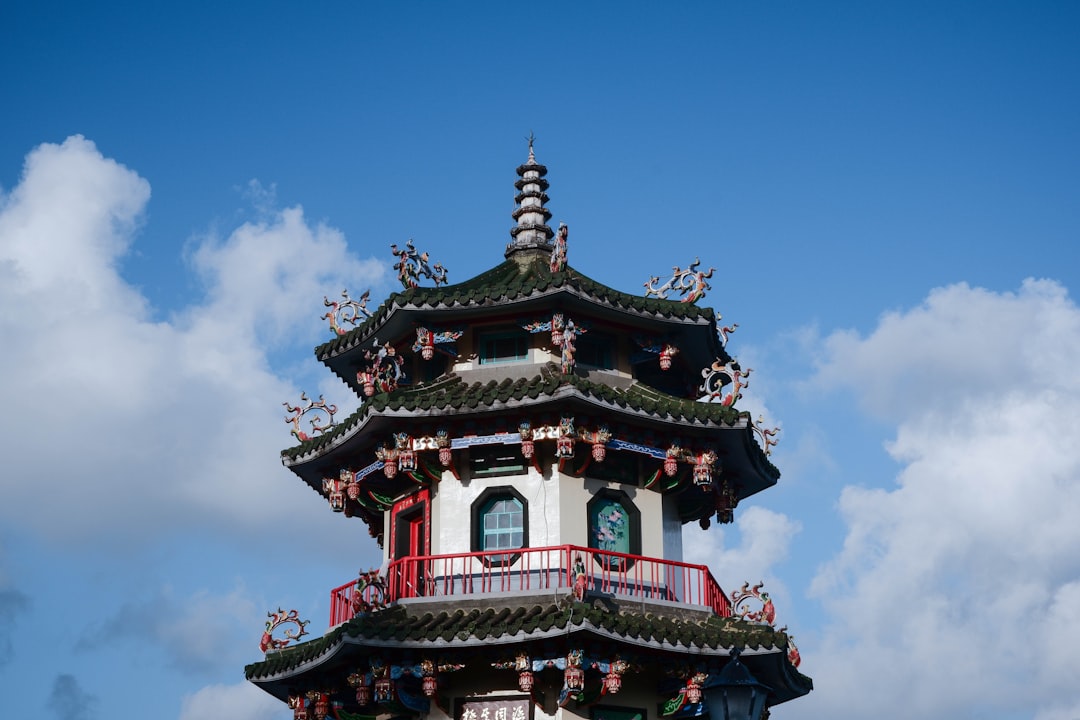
pixel 529 446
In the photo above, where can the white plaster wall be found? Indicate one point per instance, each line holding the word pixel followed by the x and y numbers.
pixel 451 510
pixel 672 529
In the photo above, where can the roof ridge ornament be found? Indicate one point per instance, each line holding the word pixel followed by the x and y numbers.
pixel 411 266
pixel 691 283
pixel 558 253
pixel 319 407
pixel 352 311
pixel 719 376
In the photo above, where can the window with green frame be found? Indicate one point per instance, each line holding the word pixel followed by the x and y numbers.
pixel 506 346
pixel 500 523
pixel 614 526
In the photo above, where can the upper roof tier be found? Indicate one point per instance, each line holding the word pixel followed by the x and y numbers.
pixel 519 289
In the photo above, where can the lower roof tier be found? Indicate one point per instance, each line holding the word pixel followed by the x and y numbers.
pixel 663 649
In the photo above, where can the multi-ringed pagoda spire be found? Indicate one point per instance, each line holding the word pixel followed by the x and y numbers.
pixel 532 230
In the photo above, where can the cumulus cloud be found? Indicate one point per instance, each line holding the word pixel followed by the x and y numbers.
pixel 68 701
pixel 234 702
pixel 957 590
pixel 763 540
pixel 134 424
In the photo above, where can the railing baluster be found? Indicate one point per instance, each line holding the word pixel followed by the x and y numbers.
pixel 465 574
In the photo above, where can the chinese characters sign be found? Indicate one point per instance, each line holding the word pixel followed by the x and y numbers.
pixel 505 708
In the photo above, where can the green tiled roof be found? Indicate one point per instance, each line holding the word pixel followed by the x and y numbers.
pixel 455 395
pixel 396 626
pixel 510 281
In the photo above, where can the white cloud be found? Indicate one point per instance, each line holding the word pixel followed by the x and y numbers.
pixel 764 539
pixel 136 426
pixel 243 701
pixel 956 592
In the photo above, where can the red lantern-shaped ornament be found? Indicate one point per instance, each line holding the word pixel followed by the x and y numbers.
pixel 427 352
pixel 299 708
pixel 390 468
pixel 363 695
pixel 574 677
pixel 665 361
pixel 599 451
pixel 564 447
pixel 671 465
pixel 693 693
pixel 353 490
pixel 429 685
pixel 383 687
pixel 527 449
pixel 525 681
pixel 407 460
pixel 446 456
pixel 322 706
pixel 612 683
pixel 702 474
pixel 367 381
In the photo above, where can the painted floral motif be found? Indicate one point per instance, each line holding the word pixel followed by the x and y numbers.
pixel 610 527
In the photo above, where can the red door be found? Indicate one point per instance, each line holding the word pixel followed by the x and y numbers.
pixel 409 544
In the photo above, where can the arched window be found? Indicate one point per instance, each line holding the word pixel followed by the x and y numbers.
pixel 500 522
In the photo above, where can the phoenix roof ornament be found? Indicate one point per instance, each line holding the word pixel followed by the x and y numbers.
pixel 411 266
pixel 690 283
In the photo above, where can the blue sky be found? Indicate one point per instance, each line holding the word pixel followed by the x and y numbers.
pixel 889 193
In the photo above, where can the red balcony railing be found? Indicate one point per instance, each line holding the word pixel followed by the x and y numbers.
pixel 535 570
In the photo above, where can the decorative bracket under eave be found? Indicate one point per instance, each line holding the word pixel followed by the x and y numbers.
pixel 655 346
pixel 428 341
pixel 383 370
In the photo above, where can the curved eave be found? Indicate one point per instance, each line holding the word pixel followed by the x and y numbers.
pixel 763 649
pixel 726 430
pixel 376 419
pixel 500 292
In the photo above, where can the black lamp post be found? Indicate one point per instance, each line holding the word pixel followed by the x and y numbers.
pixel 733 693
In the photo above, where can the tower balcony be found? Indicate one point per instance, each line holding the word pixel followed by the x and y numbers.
pixel 558 572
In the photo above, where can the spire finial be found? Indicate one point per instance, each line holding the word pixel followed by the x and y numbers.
pixel 531 231
pixel 531 139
